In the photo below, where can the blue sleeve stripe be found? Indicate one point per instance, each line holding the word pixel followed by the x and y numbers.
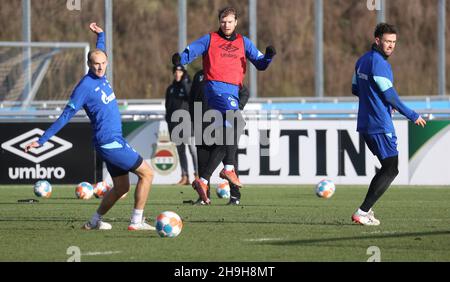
pixel 354 79
pixel 383 83
pixel 71 104
pixel 113 145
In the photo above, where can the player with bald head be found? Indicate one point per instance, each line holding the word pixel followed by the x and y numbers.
pixel 95 95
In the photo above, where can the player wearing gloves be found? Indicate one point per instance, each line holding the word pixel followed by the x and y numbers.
pixel 225 55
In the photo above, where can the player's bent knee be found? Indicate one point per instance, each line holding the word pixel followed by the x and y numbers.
pixel 145 171
pixel 148 174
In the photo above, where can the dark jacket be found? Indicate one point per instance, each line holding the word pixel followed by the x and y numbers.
pixel 177 97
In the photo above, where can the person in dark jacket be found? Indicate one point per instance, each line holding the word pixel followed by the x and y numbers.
pixel 204 152
pixel 177 98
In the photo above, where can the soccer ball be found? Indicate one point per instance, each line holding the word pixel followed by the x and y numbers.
pixel 84 191
pixel 223 190
pixel 43 189
pixel 168 224
pixel 325 189
pixel 101 188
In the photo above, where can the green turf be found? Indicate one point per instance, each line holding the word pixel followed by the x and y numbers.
pixel 274 223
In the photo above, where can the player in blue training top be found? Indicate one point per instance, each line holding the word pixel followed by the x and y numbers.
pixel 225 55
pixel 373 83
pixel 95 95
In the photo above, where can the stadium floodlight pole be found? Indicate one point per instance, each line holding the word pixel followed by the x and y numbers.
pixel 182 25
pixel 319 76
pixel 253 22
pixel 26 37
pixel 381 11
pixel 109 40
pixel 441 48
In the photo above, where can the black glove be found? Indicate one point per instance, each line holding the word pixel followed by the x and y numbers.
pixel 176 59
pixel 270 51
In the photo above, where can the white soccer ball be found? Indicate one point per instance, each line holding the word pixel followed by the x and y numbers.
pixel 325 189
pixel 43 189
pixel 84 191
pixel 168 224
pixel 223 190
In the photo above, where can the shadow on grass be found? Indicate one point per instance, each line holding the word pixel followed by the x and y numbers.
pixel 185 219
pixel 225 221
pixel 366 237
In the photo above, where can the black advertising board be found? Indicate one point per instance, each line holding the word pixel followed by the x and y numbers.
pixel 67 158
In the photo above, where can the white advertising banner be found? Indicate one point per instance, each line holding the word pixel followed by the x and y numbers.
pixel 280 152
pixel 305 152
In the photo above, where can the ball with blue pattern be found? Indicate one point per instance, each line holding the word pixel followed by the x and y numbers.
pixel 42 188
pixel 325 189
pixel 84 191
pixel 223 190
pixel 168 224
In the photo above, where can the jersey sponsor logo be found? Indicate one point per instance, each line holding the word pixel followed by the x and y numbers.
pixel 230 50
pixel 228 47
pixel 108 99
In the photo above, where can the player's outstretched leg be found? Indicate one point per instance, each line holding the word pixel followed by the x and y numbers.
pixel 121 186
pixel 379 184
pixel 145 175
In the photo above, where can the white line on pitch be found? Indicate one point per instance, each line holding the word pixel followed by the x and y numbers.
pixel 264 239
pixel 101 253
pixel 379 232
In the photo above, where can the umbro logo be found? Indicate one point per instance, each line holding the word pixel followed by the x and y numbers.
pixel 228 47
pixel 50 149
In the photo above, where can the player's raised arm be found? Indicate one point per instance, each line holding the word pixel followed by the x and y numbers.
pixel 100 36
pixel 95 28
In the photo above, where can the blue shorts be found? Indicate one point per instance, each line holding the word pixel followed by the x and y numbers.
pixel 220 96
pixel 382 145
pixel 119 157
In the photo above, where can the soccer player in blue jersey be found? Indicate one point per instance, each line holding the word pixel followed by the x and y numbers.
pixel 95 95
pixel 373 83
pixel 225 55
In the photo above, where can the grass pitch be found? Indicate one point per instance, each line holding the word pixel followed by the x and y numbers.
pixel 274 223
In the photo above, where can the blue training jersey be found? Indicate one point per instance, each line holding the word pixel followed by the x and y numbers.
pixel 96 96
pixel 373 83
pixel 200 47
